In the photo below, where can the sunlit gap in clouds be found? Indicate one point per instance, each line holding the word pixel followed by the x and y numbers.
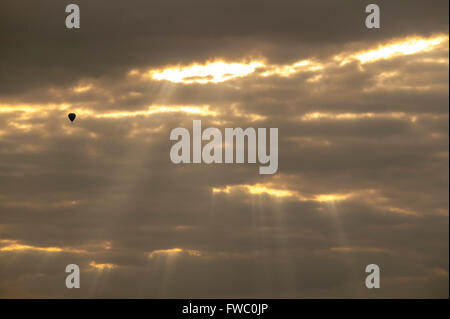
pixel 45 254
pixel 24 117
pixel 136 160
pixel 104 266
pixel 290 69
pixel 397 48
pixel 99 271
pixel 267 224
pixel 316 116
pixel 221 71
pixel 26 111
pixel 83 88
pixel 212 72
pixel 280 193
pixel 203 110
pixel 373 197
pixel 173 252
pixel 8 245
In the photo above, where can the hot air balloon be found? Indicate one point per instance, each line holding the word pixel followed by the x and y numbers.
pixel 72 116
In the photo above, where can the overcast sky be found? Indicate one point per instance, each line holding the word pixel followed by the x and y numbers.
pixel 363 121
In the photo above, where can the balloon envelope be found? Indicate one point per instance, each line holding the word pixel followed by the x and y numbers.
pixel 72 116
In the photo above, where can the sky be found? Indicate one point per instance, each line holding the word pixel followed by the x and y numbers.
pixel 363 125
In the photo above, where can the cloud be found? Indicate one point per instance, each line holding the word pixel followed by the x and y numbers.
pixel 363 149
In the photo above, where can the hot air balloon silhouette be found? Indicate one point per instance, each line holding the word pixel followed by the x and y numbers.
pixel 72 116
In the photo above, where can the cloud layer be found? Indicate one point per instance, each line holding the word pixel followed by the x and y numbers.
pixel 363 149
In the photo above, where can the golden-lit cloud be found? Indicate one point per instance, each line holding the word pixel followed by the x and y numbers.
pixel 82 88
pixel 406 46
pixel 156 109
pixel 259 189
pixel 363 151
pixel 220 71
pixel 399 210
pixel 372 197
pixel 31 108
pixel 353 116
pixel 174 251
pixel 153 109
pixel 331 197
pixel 16 246
pixel 23 114
pixel 97 266
pixel 8 245
pixel 349 116
pixel 211 72
pixel 20 126
pixel 287 70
